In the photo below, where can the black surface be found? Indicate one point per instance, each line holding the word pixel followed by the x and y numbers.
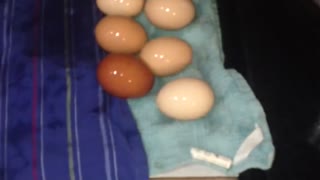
pixel 275 44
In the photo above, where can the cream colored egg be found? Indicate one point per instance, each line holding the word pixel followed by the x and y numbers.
pixel 166 55
pixel 170 14
pixel 185 99
pixel 120 7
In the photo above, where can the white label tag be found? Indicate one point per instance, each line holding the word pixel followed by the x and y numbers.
pixel 248 145
pixel 211 158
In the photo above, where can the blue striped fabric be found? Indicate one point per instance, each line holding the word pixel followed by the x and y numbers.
pixel 55 121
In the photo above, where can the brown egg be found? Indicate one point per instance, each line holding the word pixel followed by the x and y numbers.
pixel 166 55
pixel 120 7
pixel 124 76
pixel 170 14
pixel 119 34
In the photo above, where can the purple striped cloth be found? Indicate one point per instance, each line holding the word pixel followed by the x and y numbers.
pixel 55 121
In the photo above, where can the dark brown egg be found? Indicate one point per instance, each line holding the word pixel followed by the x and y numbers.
pixel 124 76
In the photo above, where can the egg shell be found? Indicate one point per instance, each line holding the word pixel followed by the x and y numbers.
pixel 170 14
pixel 166 55
pixel 124 76
pixel 120 7
pixel 119 34
pixel 185 99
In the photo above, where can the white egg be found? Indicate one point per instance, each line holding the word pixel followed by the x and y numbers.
pixel 166 55
pixel 170 14
pixel 120 7
pixel 185 99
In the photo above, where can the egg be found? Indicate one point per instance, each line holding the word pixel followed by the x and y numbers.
pixel 166 55
pixel 124 76
pixel 120 7
pixel 170 14
pixel 185 99
pixel 119 34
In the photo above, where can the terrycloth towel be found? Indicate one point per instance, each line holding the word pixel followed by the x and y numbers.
pixel 233 137
pixel 55 121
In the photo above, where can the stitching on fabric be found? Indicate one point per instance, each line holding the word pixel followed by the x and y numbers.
pixel 75 96
pixel 7 90
pixel 69 90
pixel 2 65
pixel 42 22
pixel 101 114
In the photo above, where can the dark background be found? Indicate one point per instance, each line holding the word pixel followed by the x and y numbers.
pixel 275 45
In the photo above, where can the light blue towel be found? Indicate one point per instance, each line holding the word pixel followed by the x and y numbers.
pixel 237 112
